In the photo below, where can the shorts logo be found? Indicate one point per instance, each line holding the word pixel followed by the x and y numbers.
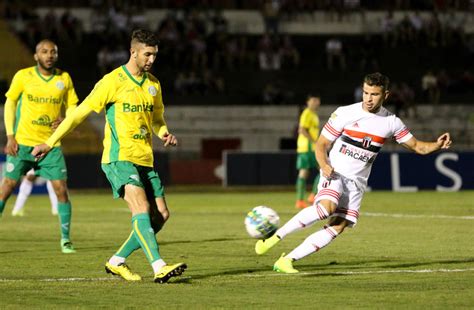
pixel 366 142
pixel 60 85
pixel 326 183
pixel 10 167
pixel 152 90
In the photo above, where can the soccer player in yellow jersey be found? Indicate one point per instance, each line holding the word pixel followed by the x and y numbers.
pixel 32 110
pixel 132 100
pixel 308 133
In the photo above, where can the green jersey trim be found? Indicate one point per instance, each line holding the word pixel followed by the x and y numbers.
pixel 42 77
pixel 17 114
pixel 133 79
pixel 114 145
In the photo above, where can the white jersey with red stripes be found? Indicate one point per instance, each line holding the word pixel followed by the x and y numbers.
pixel 358 136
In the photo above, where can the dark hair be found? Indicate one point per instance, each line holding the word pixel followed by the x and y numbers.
pixel 313 95
pixel 377 79
pixel 147 37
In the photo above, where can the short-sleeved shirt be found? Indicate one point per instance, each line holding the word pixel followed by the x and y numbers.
pixel 310 121
pixel 130 108
pixel 358 136
pixel 39 102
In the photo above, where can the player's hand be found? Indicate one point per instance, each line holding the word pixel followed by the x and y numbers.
pixel 169 139
pixel 12 146
pixel 444 141
pixel 328 171
pixel 40 150
pixel 56 123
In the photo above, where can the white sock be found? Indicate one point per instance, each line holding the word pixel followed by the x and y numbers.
pixel 25 190
pixel 52 197
pixel 302 219
pixel 157 265
pixel 116 260
pixel 313 243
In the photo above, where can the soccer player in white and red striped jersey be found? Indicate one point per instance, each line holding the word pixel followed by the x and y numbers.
pixel 346 149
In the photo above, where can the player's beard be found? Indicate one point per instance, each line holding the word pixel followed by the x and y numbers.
pixel 45 66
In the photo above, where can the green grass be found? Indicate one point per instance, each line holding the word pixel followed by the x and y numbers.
pixel 370 266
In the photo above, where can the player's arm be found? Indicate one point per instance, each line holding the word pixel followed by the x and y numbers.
pixel 161 130
pixel 323 145
pixel 71 121
pixel 423 147
pixel 9 119
pixel 304 131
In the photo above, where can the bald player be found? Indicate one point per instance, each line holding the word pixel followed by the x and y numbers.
pixel 32 109
pixel 132 101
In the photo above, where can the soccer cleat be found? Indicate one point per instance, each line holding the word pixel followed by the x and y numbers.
pixel 122 270
pixel 54 211
pixel 169 271
pixel 19 213
pixel 301 204
pixel 284 265
pixel 311 198
pixel 67 247
pixel 262 246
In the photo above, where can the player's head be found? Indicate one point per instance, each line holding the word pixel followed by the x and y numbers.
pixel 143 49
pixel 313 101
pixel 46 54
pixel 374 91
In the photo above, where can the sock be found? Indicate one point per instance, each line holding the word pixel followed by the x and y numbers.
pixel 52 197
pixel 129 246
pixel 305 217
pixel 116 260
pixel 314 243
pixel 157 265
pixel 315 184
pixel 2 206
pixel 146 236
pixel 24 191
pixel 64 214
pixel 300 188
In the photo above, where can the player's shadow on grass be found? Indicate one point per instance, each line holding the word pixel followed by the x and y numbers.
pixel 235 272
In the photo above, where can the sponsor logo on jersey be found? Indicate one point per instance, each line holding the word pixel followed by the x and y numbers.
pixel 37 99
pixel 43 120
pixel 143 135
pixel 144 107
pixel 357 153
pixel 60 85
pixel 152 90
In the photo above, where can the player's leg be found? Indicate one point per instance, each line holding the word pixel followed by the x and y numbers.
pixel 24 192
pixel 52 198
pixel 6 188
pixel 311 244
pixel 302 165
pixel 326 203
pixel 314 189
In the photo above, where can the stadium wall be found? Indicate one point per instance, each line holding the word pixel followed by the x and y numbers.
pixel 396 171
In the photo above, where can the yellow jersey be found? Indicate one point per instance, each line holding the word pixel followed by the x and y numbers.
pixel 39 100
pixel 310 121
pixel 133 109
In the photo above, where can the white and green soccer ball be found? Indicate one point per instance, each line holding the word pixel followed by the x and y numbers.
pixel 261 222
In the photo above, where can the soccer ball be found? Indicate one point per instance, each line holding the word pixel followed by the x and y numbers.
pixel 261 222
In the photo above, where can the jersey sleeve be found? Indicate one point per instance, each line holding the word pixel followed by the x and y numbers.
pixel 401 132
pixel 305 119
pixel 70 99
pixel 334 126
pixel 102 94
pixel 16 87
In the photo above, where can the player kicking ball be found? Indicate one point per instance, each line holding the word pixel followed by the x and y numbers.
pixel 352 137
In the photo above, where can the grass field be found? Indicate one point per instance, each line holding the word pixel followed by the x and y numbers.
pixel 409 250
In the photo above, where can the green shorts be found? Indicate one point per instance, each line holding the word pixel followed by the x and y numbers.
pixel 50 167
pixel 306 161
pixel 121 173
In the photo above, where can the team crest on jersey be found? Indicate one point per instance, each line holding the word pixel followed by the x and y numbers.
pixel 152 90
pixel 60 85
pixel 366 142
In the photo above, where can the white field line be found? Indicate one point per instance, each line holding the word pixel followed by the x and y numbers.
pixel 324 273
pixel 418 216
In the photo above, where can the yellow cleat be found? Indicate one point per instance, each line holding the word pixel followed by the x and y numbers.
pixel 19 213
pixel 170 271
pixel 284 265
pixel 262 246
pixel 122 270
